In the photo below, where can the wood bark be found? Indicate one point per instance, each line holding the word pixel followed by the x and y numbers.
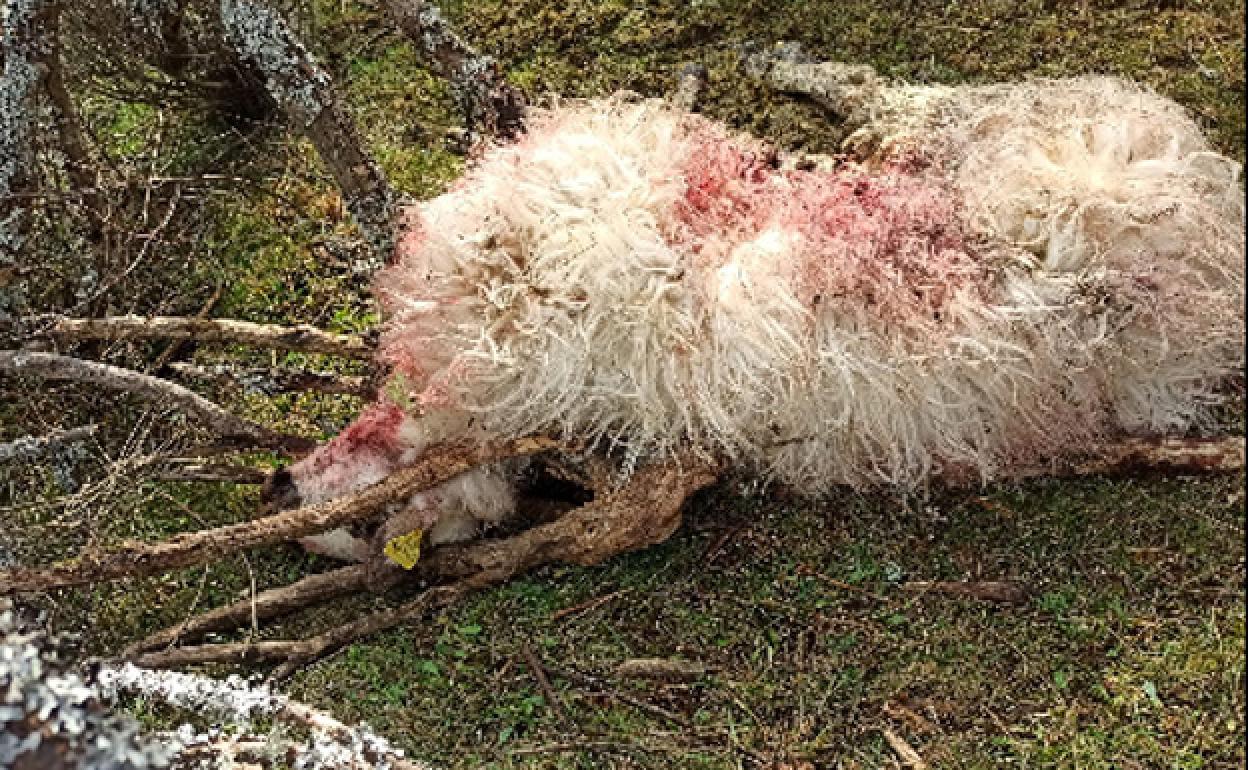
pixel 276 379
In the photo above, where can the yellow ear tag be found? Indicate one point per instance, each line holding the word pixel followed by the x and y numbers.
pixel 404 550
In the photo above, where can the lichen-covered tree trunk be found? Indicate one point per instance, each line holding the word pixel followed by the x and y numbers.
pixel 24 47
pixel 490 106
pixel 305 93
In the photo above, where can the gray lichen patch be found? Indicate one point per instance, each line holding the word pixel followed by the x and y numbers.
pixel 22 49
pixel 299 85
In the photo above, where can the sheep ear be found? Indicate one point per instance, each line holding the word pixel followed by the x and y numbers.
pixel 279 492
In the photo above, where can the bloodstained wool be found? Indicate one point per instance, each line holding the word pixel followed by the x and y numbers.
pixel 1024 271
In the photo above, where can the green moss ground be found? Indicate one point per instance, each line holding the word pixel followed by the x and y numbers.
pixel 1130 655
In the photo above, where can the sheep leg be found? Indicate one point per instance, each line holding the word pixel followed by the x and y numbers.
pixel 643 512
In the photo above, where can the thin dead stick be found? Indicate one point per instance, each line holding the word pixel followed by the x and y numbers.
pixel 209 472
pixel 276 379
pixel 175 346
pixel 1002 591
pixel 585 680
pixel 293 654
pixel 51 366
pixel 808 571
pixel 29 447
pixel 263 606
pixel 905 752
pixel 194 548
pixel 301 337
pixel 539 673
pixel 586 606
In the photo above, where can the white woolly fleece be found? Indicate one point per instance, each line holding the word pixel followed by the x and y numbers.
pixel 1037 265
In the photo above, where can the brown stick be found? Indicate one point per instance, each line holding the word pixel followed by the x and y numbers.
pixel 905 752
pixel 302 337
pixel 210 472
pixel 1003 591
pixel 539 674
pixel 175 346
pixel 1137 455
pixel 297 653
pixel 491 106
pixel 193 548
pixel 50 366
pixel 263 606
pixel 1176 455
pixel 277 379
pixel 79 166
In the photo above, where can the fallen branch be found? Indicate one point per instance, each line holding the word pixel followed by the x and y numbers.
pixel 276 379
pixel 194 548
pixel 302 337
pixel 293 654
pixel 263 606
pixel 1002 591
pixel 905 752
pixel 491 106
pixel 1175 455
pixel 51 366
pixel 644 512
pixel 30 447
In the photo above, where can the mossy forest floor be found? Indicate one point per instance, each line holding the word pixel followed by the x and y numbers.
pixel 1130 655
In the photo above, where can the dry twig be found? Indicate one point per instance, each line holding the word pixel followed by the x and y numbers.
pixel 1002 591
pixel 301 337
pixel 263 606
pixel 51 366
pixel 905 752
